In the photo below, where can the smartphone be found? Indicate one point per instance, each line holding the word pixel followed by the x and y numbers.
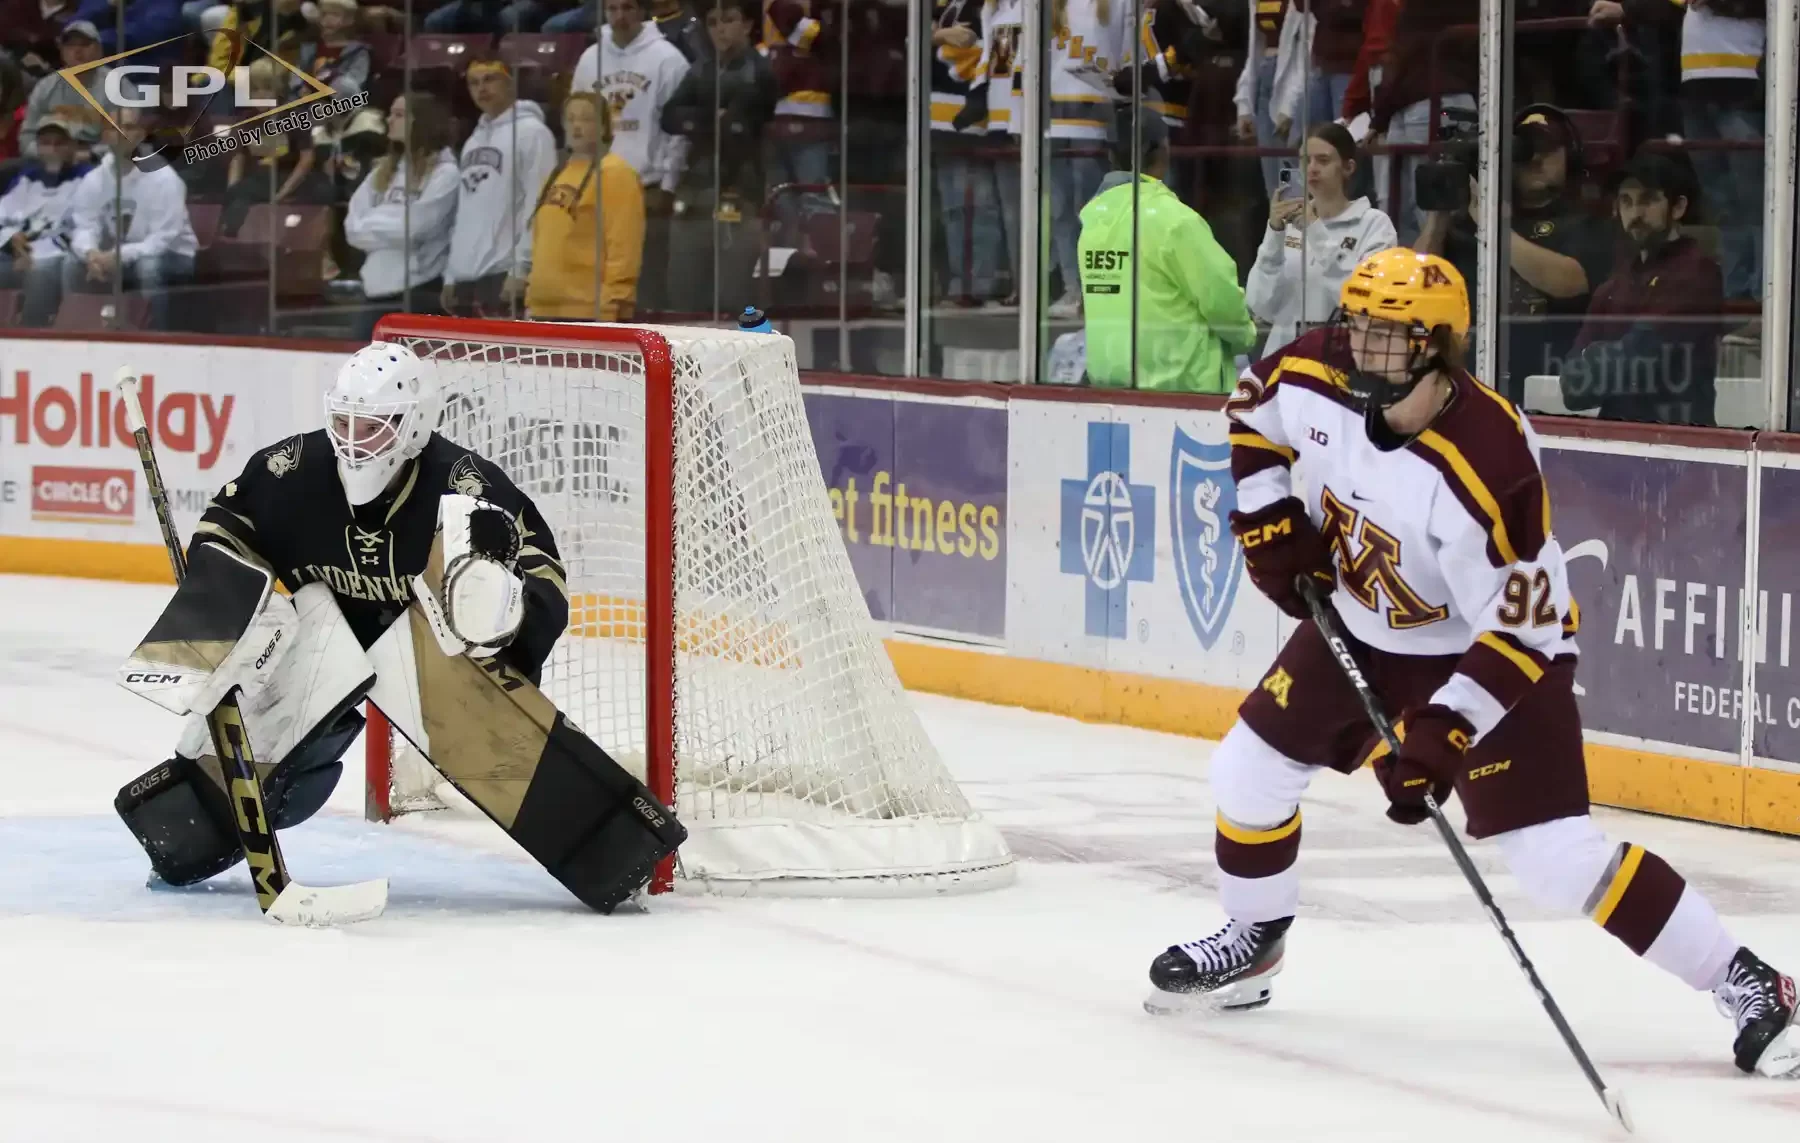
pixel 1288 185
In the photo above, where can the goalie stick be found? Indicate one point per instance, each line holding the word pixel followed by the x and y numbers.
pixel 1322 614
pixel 281 899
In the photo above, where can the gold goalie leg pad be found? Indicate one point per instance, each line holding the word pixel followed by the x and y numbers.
pixel 494 735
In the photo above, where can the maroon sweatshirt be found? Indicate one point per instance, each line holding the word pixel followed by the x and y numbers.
pixel 1339 34
pixel 1415 70
pixel 1648 350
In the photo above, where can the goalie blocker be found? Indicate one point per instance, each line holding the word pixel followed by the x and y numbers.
pixel 302 673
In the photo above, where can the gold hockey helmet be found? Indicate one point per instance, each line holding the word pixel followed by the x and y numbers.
pixel 1423 291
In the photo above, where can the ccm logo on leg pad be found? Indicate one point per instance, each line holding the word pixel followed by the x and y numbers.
pixel 151 677
pixel 1490 769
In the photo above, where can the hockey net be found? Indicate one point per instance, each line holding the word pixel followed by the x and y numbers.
pixel 718 644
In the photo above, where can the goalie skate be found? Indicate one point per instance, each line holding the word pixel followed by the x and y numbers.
pixel 1762 1003
pixel 1229 971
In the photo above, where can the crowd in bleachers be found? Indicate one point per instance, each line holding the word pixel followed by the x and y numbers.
pixel 581 159
pixel 1633 201
pixel 660 155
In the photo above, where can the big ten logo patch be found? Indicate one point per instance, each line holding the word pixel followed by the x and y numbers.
pixel 878 510
pixel 480 163
pixel 83 495
pixel 88 417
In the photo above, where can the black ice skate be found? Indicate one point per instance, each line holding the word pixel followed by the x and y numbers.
pixel 1762 1001
pixel 1230 970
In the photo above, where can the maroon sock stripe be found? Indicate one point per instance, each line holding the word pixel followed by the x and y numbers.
pixel 1245 852
pixel 1639 898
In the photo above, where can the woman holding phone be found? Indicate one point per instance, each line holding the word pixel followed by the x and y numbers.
pixel 1317 234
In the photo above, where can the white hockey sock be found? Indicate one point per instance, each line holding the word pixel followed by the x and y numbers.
pixel 1260 898
pixel 1694 944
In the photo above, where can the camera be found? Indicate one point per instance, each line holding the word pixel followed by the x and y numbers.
pixel 1443 184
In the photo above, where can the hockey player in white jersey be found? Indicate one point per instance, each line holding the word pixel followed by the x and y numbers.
pixel 1427 518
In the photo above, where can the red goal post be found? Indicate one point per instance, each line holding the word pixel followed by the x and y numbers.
pixel 659 532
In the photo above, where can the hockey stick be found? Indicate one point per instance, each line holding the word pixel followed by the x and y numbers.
pixel 1323 615
pixel 282 900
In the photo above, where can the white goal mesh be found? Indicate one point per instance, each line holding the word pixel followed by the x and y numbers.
pixel 795 760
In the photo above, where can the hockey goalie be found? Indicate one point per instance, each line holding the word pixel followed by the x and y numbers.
pixel 423 579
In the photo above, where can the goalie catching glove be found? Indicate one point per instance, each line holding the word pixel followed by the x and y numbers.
pixel 483 600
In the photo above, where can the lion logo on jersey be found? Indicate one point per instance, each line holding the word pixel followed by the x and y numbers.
pixel 466 478
pixel 285 459
pixel 1208 561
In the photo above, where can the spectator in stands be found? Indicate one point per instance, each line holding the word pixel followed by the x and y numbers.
pixel 803 49
pixel 1426 58
pixel 1314 240
pixel 15 89
pixel 994 97
pixel 588 228
pixel 968 195
pixel 284 34
pixel 402 213
pixel 505 162
pixel 1191 318
pixel 156 250
pixel 336 58
pixel 275 167
pixel 1335 29
pixel 682 28
pixel 636 72
pixel 1723 46
pixel 1089 41
pixel 723 112
pixel 53 95
pixel 1557 252
pixel 1366 75
pixel 1273 81
pixel 35 220
pixel 147 22
pixel 1648 349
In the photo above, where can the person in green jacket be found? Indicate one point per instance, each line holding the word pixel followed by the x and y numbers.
pixel 1191 318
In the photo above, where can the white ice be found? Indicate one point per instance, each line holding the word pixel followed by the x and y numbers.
pixel 486 1006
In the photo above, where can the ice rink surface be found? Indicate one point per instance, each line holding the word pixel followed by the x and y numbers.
pixel 486 1005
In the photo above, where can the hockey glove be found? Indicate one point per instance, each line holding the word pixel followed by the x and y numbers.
pixel 1433 743
pixel 1281 544
pixel 484 598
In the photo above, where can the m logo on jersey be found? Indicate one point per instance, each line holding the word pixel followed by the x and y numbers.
pixel 1108 529
pixel 1369 566
pixel 1208 562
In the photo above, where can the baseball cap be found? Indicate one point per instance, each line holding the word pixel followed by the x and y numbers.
pixel 1152 133
pixel 79 28
pixel 54 122
pixel 1546 132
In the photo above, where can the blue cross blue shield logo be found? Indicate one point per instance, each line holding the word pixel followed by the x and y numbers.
pixel 1108 529
pixel 1208 561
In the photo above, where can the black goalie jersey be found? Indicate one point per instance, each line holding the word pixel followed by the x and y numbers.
pixel 287 510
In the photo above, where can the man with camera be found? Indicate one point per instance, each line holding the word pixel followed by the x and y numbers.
pixel 1557 252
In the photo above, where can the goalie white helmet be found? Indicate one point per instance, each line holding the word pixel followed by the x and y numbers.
pixel 379 413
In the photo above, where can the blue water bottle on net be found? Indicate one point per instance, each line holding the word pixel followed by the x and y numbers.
pixel 753 320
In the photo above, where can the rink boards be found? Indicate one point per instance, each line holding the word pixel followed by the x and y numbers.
pixel 1065 549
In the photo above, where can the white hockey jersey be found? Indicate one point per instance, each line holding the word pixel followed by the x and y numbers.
pixel 1443 546
pixel 1090 44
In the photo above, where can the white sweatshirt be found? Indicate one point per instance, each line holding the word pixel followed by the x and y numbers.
pixel 155 209
pixel 1293 57
pixel 636 81
pixel 378 225
pixel 504 164
pixel 38 203
pixel 1298 274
